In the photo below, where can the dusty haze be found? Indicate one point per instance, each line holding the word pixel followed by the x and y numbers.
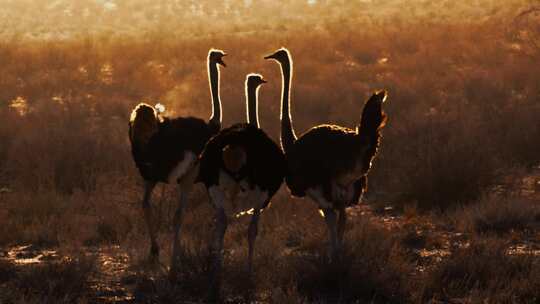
pixel 458 162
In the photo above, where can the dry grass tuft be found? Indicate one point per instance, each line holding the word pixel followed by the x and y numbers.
pixel 499 215
pixel 373 268
pixel 59 282
pixel 484 272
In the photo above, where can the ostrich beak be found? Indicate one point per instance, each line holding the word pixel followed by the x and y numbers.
pixel 220 60
pixel 263 81
pixel 270 56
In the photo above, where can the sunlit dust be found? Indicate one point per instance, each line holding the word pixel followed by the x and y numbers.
pixel 383 60
pixel 107 72
pixel 20 105
pixel 20 255
pixel 159 108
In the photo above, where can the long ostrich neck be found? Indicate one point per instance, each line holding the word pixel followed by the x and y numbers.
pixel 252 104
pixel 287 132
pixel 213 74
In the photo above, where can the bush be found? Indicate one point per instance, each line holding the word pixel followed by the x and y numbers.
pixel 456 121
pixel 499 215
pixel 59 282
pixel 484 272
pixel 374 269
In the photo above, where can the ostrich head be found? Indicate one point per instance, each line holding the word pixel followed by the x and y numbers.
pixel 282 55
pixel 254 80
pixel 253 83
pixel 216 56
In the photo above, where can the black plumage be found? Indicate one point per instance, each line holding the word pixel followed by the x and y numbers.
pixel 241 157
pixel 320 155
pixel 265 163
pixel 166 148
pixel 327 152
pixel 259 161
pixel 329 163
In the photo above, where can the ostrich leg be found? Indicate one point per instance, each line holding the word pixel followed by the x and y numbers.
pixel 252 235
pixel 216 249
pixel 330 219
pixel 185 186
pixel 342 221
pixel 147 208
pixel 177 224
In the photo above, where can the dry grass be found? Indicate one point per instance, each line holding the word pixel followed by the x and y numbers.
pixel 374 268
pixel 57 282
pixel 484 272
pixel 456 120
pixel 499 215
pixel 447 140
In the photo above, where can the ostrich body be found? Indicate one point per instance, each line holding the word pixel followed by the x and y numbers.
pixel 329 163
pixel 242 168
pixel 166 150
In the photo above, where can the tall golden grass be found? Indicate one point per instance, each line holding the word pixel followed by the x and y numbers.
pixel 463 98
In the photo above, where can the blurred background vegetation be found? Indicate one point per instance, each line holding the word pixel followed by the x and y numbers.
pixel 462 79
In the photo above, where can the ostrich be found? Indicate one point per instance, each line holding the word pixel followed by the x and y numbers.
pixel 242 168
pixel 329 163
pixel 166 150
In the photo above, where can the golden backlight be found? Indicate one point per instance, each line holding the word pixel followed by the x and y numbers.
pixel 451 212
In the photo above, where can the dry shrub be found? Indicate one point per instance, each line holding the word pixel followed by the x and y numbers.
pixel 65 148
pixel 287 267
pixel 456 120
pixel 33 219
pixel 484 272
pixel 51 218
pixel 374 268
pixel 191 285
pixel 455 126
pixel 448 167
pixel 8 271
pixel 499 214
pixel 58 282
